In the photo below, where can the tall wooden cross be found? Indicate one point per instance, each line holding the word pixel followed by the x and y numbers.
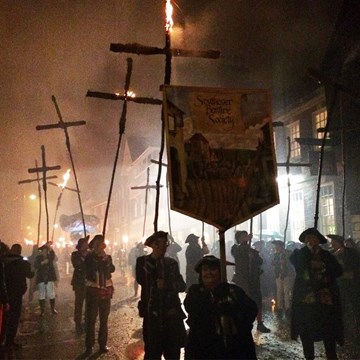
pixel 38 180
pixel 65 125
pixel 169 52
pixel 145 187
pixel 44 169
pixel 58 203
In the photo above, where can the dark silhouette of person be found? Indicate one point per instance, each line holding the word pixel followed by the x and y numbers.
pixel 46 276
pixel 135 252
pixel 78 280
pixel 99 291
pixel 248 271
pixel 316 308
pixel 4 299
pixel 193 253
pixel 17 270
pixel 160 307
pixel 349 282
pixel 220 316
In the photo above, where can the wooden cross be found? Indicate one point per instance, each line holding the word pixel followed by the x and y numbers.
pixel 64 125
pixel 38 179
pixel 145 187
pixel 58 203
pixel 169 52
pixel 44 169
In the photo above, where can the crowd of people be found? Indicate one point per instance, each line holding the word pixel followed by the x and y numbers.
pixel 314 286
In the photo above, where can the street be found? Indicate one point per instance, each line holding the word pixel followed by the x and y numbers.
pixel 53 337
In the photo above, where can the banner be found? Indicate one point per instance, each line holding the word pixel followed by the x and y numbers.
pixel 221 159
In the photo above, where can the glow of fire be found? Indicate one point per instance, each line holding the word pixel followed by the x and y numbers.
pixel 66 178
pixel 128 94
pixel 169 11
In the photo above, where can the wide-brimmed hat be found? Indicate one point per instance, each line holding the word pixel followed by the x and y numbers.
pixel 315 232
pixel 44 246
pixel 97 237
pixel 209 260
pixel 278 242
pixel 192 238
pixel 81 241
pixel 338 238
pixel 156 235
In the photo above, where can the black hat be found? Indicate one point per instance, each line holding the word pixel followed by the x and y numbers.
pixel 338 238
pixel 209 260
pixel 81 241
pixel 46 245
pixel 278 242
pixel 191 238
pixel 315 232
pixel 156 235
pixel 98 237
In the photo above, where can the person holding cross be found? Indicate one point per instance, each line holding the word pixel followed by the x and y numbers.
pixel 46 276
pixel 160 307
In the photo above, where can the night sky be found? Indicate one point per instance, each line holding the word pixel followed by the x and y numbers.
pixel 61 48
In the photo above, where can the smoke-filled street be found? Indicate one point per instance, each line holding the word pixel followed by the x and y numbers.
pixel 53 337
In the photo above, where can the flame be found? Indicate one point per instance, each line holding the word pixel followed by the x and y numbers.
pixel 66 177
pixel 128 94
pixel 169 11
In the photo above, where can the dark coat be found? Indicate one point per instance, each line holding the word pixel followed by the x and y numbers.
pixel 316 307
pixel 206 309
pixel 161 308
pixel 247 270
pixel 78 262
pixel 17 270
pixel 98 265
pixel 3 291
pixel 193 254
pixel 45 272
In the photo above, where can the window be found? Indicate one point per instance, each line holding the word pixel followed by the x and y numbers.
pixel 294 132
pixel 326 209
pixel 319 121
pixel 297 214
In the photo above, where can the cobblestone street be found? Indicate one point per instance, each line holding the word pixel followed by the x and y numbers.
pixel 53 337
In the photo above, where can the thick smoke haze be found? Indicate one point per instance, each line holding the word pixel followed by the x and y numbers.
pixel 61 48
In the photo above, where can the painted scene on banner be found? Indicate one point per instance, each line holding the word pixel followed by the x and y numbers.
pixel 222 165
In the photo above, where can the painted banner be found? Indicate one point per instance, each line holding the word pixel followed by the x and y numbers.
pixel 221 158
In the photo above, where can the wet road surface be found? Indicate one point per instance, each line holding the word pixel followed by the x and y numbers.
pixel 53 336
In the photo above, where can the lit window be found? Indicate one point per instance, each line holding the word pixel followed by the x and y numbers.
pixel 294 132
pixel 319 122
pixel 327 209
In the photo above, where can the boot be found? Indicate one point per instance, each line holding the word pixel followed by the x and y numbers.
pixel 262 328
pixel 52 304
pixel 42 307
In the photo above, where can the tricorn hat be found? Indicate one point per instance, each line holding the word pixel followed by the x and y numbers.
pixel 338 238
pixel 191 238
pixel 210 260
pixel 315 232
pixel 81 241
pixel 97 237
pixel 278 242
pixel 156 235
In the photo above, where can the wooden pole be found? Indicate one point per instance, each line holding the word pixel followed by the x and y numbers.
pixel 222 255
pixel 44 169
pixel 64 125
pixel 121 132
